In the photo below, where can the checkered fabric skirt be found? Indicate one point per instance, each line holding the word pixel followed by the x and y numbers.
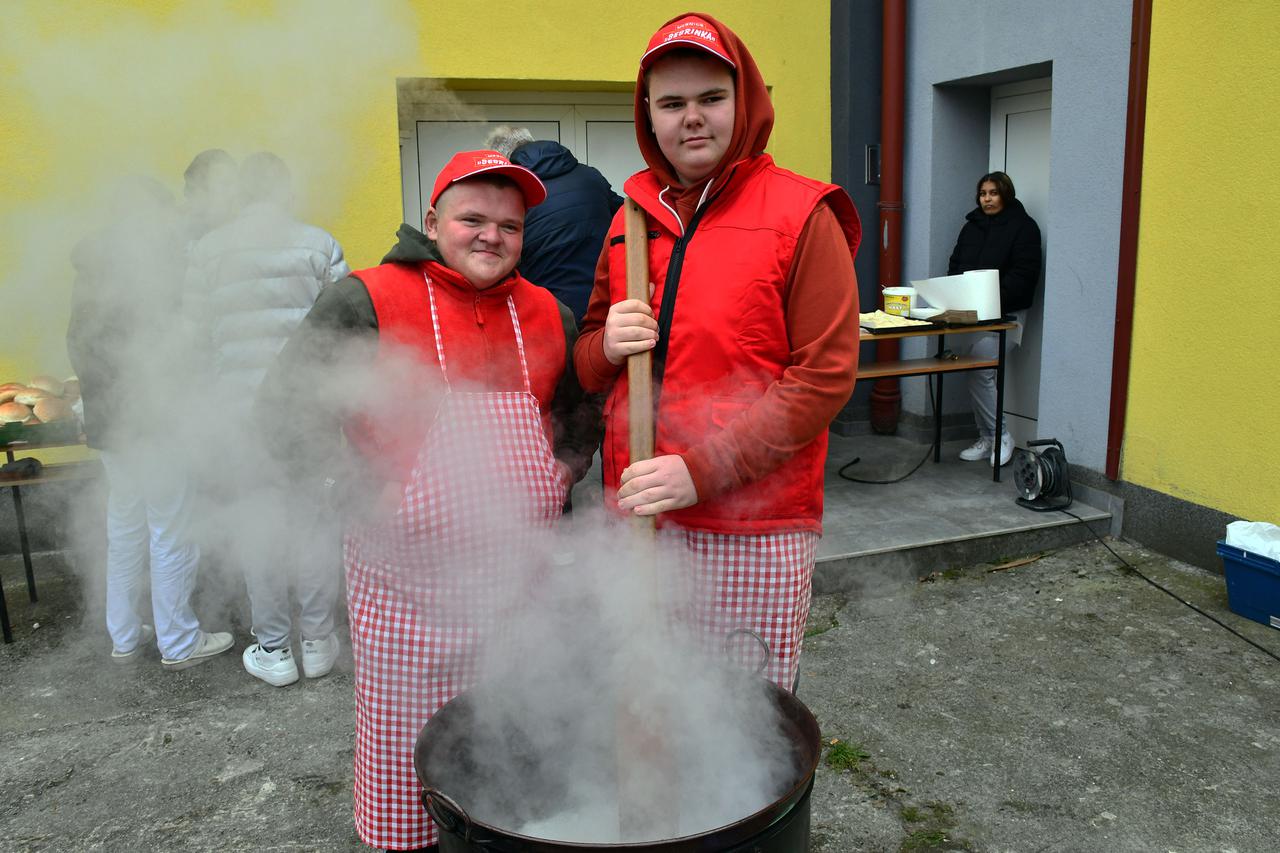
pixel 762 584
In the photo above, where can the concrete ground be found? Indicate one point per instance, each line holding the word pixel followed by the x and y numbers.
pixel 1060 704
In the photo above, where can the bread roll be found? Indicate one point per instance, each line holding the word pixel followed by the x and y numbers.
pixel 71 389
pixel 10 390
pixel 31 396
pixel 52 409
pixel 46 383
pixel 13 413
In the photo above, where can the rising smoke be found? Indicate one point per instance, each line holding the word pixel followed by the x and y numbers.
pixel 113 103
pixel 605 713
pixel 95 92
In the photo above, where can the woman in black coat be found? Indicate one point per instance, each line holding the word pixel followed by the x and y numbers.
pixel 997 235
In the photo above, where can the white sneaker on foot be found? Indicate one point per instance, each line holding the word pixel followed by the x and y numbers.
pixel 1006 450
pixel 318 656
pixel 276 668
pixel 146 636
pixel 206 647
pixel 979 450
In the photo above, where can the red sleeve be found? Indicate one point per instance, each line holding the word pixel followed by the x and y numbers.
pixel 595 372
pixel 822 324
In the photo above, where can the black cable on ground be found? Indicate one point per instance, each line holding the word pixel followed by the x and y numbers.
pixel 858 459
pixel 1167 591
pixel 841 473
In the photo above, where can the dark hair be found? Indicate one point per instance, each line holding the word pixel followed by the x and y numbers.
pixel 197 174
pixel 264 177
pixel 689 53
pixel 1004 187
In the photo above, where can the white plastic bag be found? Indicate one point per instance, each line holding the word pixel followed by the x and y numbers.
pixel 1256 537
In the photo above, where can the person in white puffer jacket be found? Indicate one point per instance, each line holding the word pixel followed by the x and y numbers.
pixel 259 275
pixel 254 279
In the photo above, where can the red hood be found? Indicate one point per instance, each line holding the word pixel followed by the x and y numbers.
pixel 753 111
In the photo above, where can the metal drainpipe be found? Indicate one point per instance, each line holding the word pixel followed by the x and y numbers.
pixel 1130 207
pixel 886 398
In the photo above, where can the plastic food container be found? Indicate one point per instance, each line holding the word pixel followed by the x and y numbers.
pixel 898 300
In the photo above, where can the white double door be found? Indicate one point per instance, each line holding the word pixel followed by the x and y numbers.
pixel 1020 137
pixel 598 127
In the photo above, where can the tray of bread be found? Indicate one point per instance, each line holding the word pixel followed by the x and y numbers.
pixel 878 323
pixel 38 411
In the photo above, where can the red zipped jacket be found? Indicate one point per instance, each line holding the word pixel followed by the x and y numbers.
pixel 747 414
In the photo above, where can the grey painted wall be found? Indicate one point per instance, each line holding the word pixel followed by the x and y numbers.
pixel 956 51
pixel 855 124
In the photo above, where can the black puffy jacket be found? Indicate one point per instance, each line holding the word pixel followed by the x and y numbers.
pixel 563 235
pixel 1009 242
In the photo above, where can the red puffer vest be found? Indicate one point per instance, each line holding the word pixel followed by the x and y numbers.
pixel 479 348
pixel 728 335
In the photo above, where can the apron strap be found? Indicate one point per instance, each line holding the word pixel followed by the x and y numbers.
pixel 435 326
pixel 515 325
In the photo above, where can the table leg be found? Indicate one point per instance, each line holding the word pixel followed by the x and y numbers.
pixel 999 408
pixel 4 617
pixel 937 407
pixel 22 541
pixel 4 606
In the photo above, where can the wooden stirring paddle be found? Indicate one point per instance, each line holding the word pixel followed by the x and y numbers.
pixel 648 793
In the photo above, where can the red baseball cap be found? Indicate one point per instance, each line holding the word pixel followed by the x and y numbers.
pixel 689 31
pixel 469 164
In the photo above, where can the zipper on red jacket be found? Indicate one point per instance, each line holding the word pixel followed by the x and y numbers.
pixel 671 285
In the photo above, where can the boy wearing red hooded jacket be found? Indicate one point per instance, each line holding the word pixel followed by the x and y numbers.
pixel 754 339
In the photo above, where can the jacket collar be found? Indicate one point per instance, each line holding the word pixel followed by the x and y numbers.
pixel 644 187
pixel 456 285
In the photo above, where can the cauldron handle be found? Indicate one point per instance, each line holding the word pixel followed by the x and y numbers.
pixel 764 644
pixel 438 815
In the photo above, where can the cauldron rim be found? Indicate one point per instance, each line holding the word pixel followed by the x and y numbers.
pixel 793 710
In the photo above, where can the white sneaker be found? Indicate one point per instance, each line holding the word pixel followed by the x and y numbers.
pixel 979 450
pixel 206 647
pixel 276 668
pixel 1006 450
pixel 318 656
pixel 146 636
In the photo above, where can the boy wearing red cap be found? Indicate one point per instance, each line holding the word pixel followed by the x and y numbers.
pixel 754 333
pixel 467 451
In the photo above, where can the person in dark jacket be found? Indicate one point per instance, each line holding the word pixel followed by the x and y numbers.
pixel 126 346
pixel 997 235
pixel 564 234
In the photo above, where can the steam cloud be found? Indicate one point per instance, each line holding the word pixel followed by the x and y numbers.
pixel 599 675
pixel 123 92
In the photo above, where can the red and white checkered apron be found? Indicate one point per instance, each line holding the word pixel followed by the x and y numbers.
pixel 425 589
pixel 761 584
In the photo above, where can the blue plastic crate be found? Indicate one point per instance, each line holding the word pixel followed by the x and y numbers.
pixel 1253 584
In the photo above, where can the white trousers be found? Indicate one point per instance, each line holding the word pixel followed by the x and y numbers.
pixel 982 383
pixel 148 524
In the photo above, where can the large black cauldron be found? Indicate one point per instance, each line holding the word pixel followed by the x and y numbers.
pixel 449 761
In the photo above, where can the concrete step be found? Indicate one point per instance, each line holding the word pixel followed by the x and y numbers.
pixel 944 515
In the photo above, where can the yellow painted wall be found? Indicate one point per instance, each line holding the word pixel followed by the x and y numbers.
pixel 91 90
pixel 1204 392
